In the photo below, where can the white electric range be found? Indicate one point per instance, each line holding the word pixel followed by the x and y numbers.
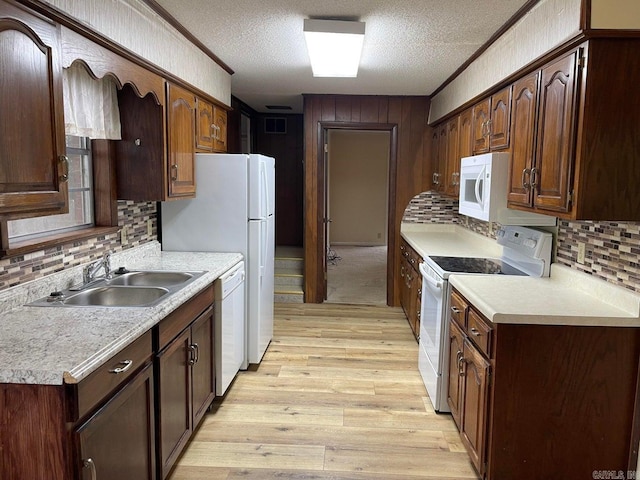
pixel 526 251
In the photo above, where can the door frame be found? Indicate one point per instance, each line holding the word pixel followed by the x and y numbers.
pixel 321 186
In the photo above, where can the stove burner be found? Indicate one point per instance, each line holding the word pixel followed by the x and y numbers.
pixel 475 265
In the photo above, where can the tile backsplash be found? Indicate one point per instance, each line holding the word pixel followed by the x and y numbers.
pixel 23 268
pixel 612 248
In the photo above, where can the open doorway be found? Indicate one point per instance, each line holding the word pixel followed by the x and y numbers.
pixel 357 204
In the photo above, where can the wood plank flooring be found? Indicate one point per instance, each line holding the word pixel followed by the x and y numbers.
pixel 337 396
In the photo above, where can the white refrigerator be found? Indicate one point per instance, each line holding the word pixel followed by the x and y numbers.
pixel 234 211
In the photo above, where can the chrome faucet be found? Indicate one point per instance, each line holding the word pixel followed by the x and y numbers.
pixel 89 272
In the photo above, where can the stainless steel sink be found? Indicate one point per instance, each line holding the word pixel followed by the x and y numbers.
pixel 116 296
pixel 125 289
pixel 152 279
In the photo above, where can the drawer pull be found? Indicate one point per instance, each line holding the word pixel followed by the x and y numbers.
pixel 88 463
pixel 475 332
pixel 456 310
pixel 126 365
pixel 461 360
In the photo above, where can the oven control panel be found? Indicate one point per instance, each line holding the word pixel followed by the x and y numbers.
pixel 525 242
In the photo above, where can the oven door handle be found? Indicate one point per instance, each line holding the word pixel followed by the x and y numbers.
pixel 432 283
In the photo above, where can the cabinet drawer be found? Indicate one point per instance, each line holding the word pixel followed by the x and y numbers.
pixel 479 332
pixel 181 318
pixel 458 309
pixel 91 391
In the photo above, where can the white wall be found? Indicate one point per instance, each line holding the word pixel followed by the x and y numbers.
pixel 548 24
pixel 615 14
pixel 358 186
pixel 135 26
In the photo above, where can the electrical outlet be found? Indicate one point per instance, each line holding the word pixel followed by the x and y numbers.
pixel 123 235
pixel 581 251
pixel 149 227
pixel 491 228
pixel 379 235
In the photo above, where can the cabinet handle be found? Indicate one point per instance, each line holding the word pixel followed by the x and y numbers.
pixel 88 463
pixel 126 365
pixel 213 131
pixel 192 355
pixel 460 357
pixel 174 168
pixel 413 261
pixel 456 310
pixel 526 172
pixel 402 271
pixel 534 177
pixel 197 351
pixel 64 160
pixel 488 128
pixel 475 332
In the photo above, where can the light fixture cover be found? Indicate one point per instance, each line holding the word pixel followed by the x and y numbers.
pixel 334 46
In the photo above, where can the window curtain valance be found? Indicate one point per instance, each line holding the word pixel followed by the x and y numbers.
pixel 90 105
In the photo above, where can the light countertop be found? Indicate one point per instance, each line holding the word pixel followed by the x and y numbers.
pixel 49 345
pixel 567 297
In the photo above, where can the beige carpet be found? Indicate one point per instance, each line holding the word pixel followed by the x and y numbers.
pixel 358 275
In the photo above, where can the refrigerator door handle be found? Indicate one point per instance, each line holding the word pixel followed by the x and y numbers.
pixel 263 245
pixel 265 190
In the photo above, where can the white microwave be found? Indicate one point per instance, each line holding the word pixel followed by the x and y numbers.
pixel 483 192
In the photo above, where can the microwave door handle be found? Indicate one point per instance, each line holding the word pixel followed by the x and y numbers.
pixel 480 181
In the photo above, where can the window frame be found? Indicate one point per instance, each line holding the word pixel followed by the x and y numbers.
pixel 105 208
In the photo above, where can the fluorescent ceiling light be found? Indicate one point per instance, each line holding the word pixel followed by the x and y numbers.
pixel 334 46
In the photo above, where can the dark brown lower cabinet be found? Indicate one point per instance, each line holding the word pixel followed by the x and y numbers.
pixel 118 440
pixel 186 387
pixel 544 401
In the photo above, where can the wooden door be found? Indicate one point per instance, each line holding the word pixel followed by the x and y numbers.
pixel 500 119
pixel 453 158
pixel 455 388
pixel 480 126
pixel 33 166
pixel 204 125
pixel 202 370
pixel 475 405
pixel 118 441
pixel 174 400
pixel 523 136
pixel 181 142
pixel 552 176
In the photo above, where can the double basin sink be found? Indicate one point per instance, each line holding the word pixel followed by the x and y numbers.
pixel 129 289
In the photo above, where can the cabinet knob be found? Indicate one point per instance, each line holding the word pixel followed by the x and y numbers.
pixel 137 142
pixel 88 463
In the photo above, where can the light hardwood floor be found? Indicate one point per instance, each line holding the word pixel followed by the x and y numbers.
pixel 337 396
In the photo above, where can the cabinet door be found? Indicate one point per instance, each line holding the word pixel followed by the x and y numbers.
pixel 453 158
pixel 202 371
pixel 118 441
pixel 443 155
pixel 551 178
pixel 523 135
pixel 435 157
pixel 33 166
pixel 465 136
pixel 204 126
pixel 499 119
pixel 181 142
pixel 480 125
pixel 474 406
pixel 456 379
pixel 174 400
pixel 220 123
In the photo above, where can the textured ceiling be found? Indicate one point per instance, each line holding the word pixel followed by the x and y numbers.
pixel 411 46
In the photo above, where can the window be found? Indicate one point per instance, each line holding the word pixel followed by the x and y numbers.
pixel 80 199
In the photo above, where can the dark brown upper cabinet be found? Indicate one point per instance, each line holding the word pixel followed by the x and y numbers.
pixel 33 165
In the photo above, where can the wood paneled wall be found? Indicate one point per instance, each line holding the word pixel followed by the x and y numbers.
pixel 409 173
pixel 287 149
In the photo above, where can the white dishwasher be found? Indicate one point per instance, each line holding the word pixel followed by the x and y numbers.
pixel 230 341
